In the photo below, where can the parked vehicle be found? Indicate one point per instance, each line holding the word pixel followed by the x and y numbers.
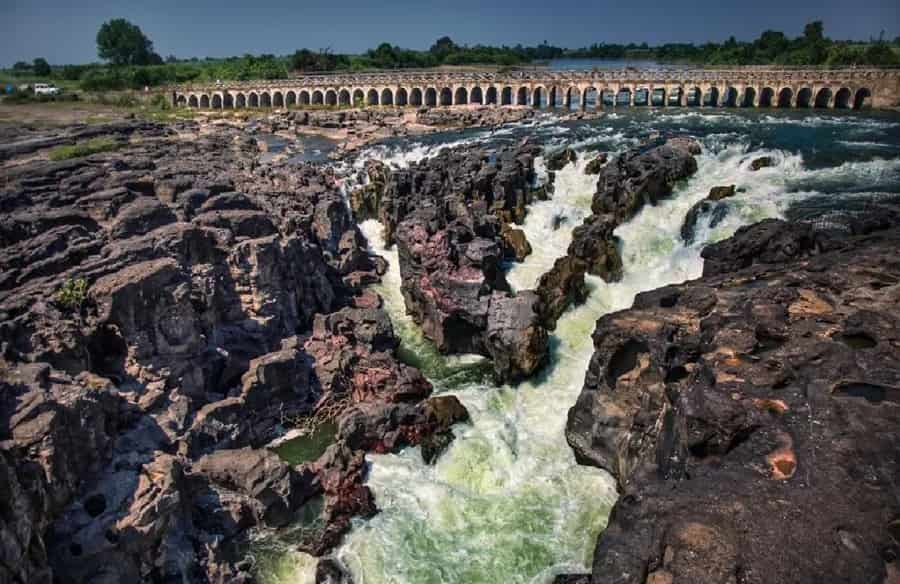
pixel 46 89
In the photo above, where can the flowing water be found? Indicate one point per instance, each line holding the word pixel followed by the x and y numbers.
pixel 507 502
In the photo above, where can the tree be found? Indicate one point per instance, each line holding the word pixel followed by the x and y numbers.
pixel 443 47
pixel 813 32
pixel 21 66
pixel 123 43
pixel 41 67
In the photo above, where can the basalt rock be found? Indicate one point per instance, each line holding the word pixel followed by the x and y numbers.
pixel 449 216
pixel 558 160
pixel 761 162
pixel 719 193
pixel 595 165
pixel 166 310
pixel 754 397
pixel 516 245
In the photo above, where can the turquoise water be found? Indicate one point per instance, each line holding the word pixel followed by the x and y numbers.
pixel 507 502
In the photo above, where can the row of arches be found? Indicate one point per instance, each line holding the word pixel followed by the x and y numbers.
pixel 539 97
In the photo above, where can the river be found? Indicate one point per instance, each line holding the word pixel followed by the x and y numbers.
pixel 507 501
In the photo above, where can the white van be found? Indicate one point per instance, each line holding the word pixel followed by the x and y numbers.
pixel 46 89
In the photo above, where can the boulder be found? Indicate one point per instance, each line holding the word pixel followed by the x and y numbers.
pixel 761 162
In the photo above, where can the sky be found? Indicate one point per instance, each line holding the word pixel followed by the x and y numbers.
pixel 64 31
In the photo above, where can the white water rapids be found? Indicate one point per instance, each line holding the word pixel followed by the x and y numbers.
pixel 507 501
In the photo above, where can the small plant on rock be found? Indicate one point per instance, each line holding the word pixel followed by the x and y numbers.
pixel 72 294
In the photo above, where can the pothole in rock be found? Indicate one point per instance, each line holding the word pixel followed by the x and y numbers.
pixel 310 446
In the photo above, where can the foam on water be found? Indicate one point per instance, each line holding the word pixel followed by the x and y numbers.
pixel 507 502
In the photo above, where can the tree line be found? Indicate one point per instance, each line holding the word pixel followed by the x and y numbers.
pixel 132 63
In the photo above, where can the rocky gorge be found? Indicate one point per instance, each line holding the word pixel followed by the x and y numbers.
pixel 176 309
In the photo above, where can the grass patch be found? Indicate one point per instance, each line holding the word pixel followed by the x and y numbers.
pixel 93 146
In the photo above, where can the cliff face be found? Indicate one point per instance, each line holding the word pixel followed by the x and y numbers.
pixel 751 417
pixel 167 310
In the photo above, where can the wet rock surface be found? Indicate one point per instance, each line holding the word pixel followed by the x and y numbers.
pixel 751 416
pixel 450 217
pixel 167 310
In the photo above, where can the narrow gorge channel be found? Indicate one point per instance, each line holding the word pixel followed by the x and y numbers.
pixel 507 501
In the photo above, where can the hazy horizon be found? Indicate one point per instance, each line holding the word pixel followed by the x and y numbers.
pixel 64 32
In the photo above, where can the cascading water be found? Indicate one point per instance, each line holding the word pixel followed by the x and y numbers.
pixel 507 502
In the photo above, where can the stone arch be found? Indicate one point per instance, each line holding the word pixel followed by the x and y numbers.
pixel 228 101
pixel 823 98
pixel 278 99
pixel 216 101
pixel 522 96
pixel 460 96
pixel 387 97
pixel 240 100
pixel 675 97
pixel 359 98
pixel 554 97
pixel 749 98
pixel 711 98
pixel 573 98
pixel 330 97
pixel 694 97
pixel 318 98
pixel 253 100
pixel 490 96
pixel 290 98
pixel 641 96
pixel 402 97
pixel 862 99
pixel 506 96
pixel 204 101
pixel 476 96
pixel 766 96
pixel 304 97
pixel 624 95
pixel 842 98
pixel 605 97
pixel 372 97
pixel 431 97
pixel 804 97
pixel 785 95
pixel 193 101
pixel 658 96
pixel 446 96
pixel 415 97
pixel 265 100
pixel 180 100
pixel 344 97
pixel 730 98
pixel 538 95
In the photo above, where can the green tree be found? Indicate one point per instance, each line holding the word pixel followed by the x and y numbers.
pixel 21 66
pixel 443 47
pixel 41 67
pixel 123 43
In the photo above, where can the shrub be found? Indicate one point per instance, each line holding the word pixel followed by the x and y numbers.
pixel 72 294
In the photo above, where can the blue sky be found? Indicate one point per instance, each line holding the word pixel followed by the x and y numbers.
pixel 63 31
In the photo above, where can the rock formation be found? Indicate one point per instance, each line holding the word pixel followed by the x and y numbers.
pixel 167 310
pixel 450 217
pixel 751 417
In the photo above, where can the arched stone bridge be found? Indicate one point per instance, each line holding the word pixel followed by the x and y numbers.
pixel 745 87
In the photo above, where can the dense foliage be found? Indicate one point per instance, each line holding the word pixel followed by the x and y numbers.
pixel 123 43
pixel 134 65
